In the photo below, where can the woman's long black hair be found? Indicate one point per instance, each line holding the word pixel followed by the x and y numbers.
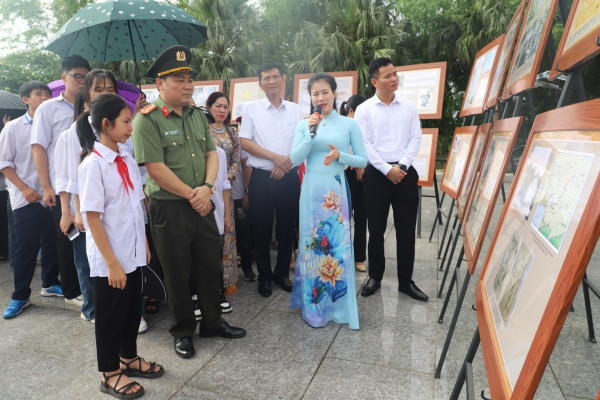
pixel 353 102
pixel 321 76
pixel 106 105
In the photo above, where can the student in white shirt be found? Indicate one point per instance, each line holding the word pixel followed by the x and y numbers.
pixel 33 221
pixel 53 118
pixel 392 134
pixel 110 194
pixel 267 134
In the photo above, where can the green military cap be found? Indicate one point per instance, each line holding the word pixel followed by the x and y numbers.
pixel 172 60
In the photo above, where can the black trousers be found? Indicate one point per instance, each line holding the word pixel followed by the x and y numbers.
pixel 243 235
pixel 267 197
pixel 118 314
pixel 34 230
pixel 404 198
pixel 66 261
pixel 359 207
pixel 3 224
pixel 189 248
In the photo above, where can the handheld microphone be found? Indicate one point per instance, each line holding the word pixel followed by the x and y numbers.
pixel 313 129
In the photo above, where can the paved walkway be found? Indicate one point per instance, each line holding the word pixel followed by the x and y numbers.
pixel 49 353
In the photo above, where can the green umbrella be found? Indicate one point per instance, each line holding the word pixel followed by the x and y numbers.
pixel 126 30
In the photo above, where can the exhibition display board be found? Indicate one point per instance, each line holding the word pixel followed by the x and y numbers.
pixel 502 141
pixel 202 89
pixel 579 42
pixel 482 72
pixel 243 91
pixel 530 47
pixel 507 50
pixel 347 82
pixel 457 160
pixel 543 242
pixel 424 163
pixel 466 189
pixel 424 85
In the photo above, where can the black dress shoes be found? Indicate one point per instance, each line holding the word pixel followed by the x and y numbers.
pixel 413 291
pixel 184 347
pixel 285 284
pixel 371 287
pixel 225 331
pixel 264 288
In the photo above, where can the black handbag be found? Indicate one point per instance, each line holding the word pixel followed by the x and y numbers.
pixel 153 286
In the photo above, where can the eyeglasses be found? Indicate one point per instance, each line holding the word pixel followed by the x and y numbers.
pixel 78 77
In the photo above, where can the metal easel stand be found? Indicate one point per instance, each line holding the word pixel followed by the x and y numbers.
pixel 456 232
pixel 436 197
pixel 459 303
pixel 466 371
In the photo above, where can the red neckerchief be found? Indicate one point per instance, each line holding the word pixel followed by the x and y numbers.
pixel 123 171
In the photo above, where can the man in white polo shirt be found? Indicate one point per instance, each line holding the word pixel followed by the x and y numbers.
pixel 392 134
pixel 52 118
pixel 267 134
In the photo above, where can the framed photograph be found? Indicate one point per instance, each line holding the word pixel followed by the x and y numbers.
pixel 578 43
pixel 530 47
pixel 507 50
pixel 460 151
pixel 424 85
pixel 541 248
pixel 473 165
pixel 202 89
pixel 485 192
pixel 243 91
pixel 425 161
pixel 347 83
pixel 483 70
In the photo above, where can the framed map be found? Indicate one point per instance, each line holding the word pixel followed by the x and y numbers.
pixel 425 161
pixel 424 85
pixel 507 50
pixel 530 47
pixel 243 91
pixel 202 89
pixel 484 68
pixel 347 83
pixel 460 152
pixel 543 242
pixel 464 193
pixel 487 186
pixel 578 43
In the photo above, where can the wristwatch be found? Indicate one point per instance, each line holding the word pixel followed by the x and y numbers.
pixel 246 191
pixel 211 187
pixel 402 167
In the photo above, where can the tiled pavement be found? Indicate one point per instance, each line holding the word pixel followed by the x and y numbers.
pixel 49 353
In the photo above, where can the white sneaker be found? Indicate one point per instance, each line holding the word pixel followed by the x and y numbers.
pixel 143 326
pixel 76 301
pixel 93 321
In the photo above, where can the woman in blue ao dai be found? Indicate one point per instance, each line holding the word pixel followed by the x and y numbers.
pixel 324 282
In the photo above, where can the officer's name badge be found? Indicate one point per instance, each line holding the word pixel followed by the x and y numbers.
pixel 170 133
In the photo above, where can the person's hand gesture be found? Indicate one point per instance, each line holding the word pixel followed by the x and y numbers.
pixel 396 174
pixel 30 195
pixel 116 276
pixel 333 155
pixel 314 119
pixel 5 119
pixel 140 103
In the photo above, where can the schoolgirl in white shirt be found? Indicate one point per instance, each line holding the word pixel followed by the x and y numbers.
pixel 110 191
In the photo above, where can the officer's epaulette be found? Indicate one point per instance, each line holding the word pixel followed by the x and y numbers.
pixel 146 110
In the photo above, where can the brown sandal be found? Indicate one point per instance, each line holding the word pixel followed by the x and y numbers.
pixel 150 373
pixel 120 393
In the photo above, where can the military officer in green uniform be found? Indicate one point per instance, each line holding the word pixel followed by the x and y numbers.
pixel 173 140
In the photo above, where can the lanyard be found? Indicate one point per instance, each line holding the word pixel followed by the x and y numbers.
pixel 72 108
pixel 123 171
pixel 30 121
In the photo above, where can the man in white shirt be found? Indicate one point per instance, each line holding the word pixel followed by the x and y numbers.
pixel 392 135
pixel 53 118
pixel 267 134
pixel 34 227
